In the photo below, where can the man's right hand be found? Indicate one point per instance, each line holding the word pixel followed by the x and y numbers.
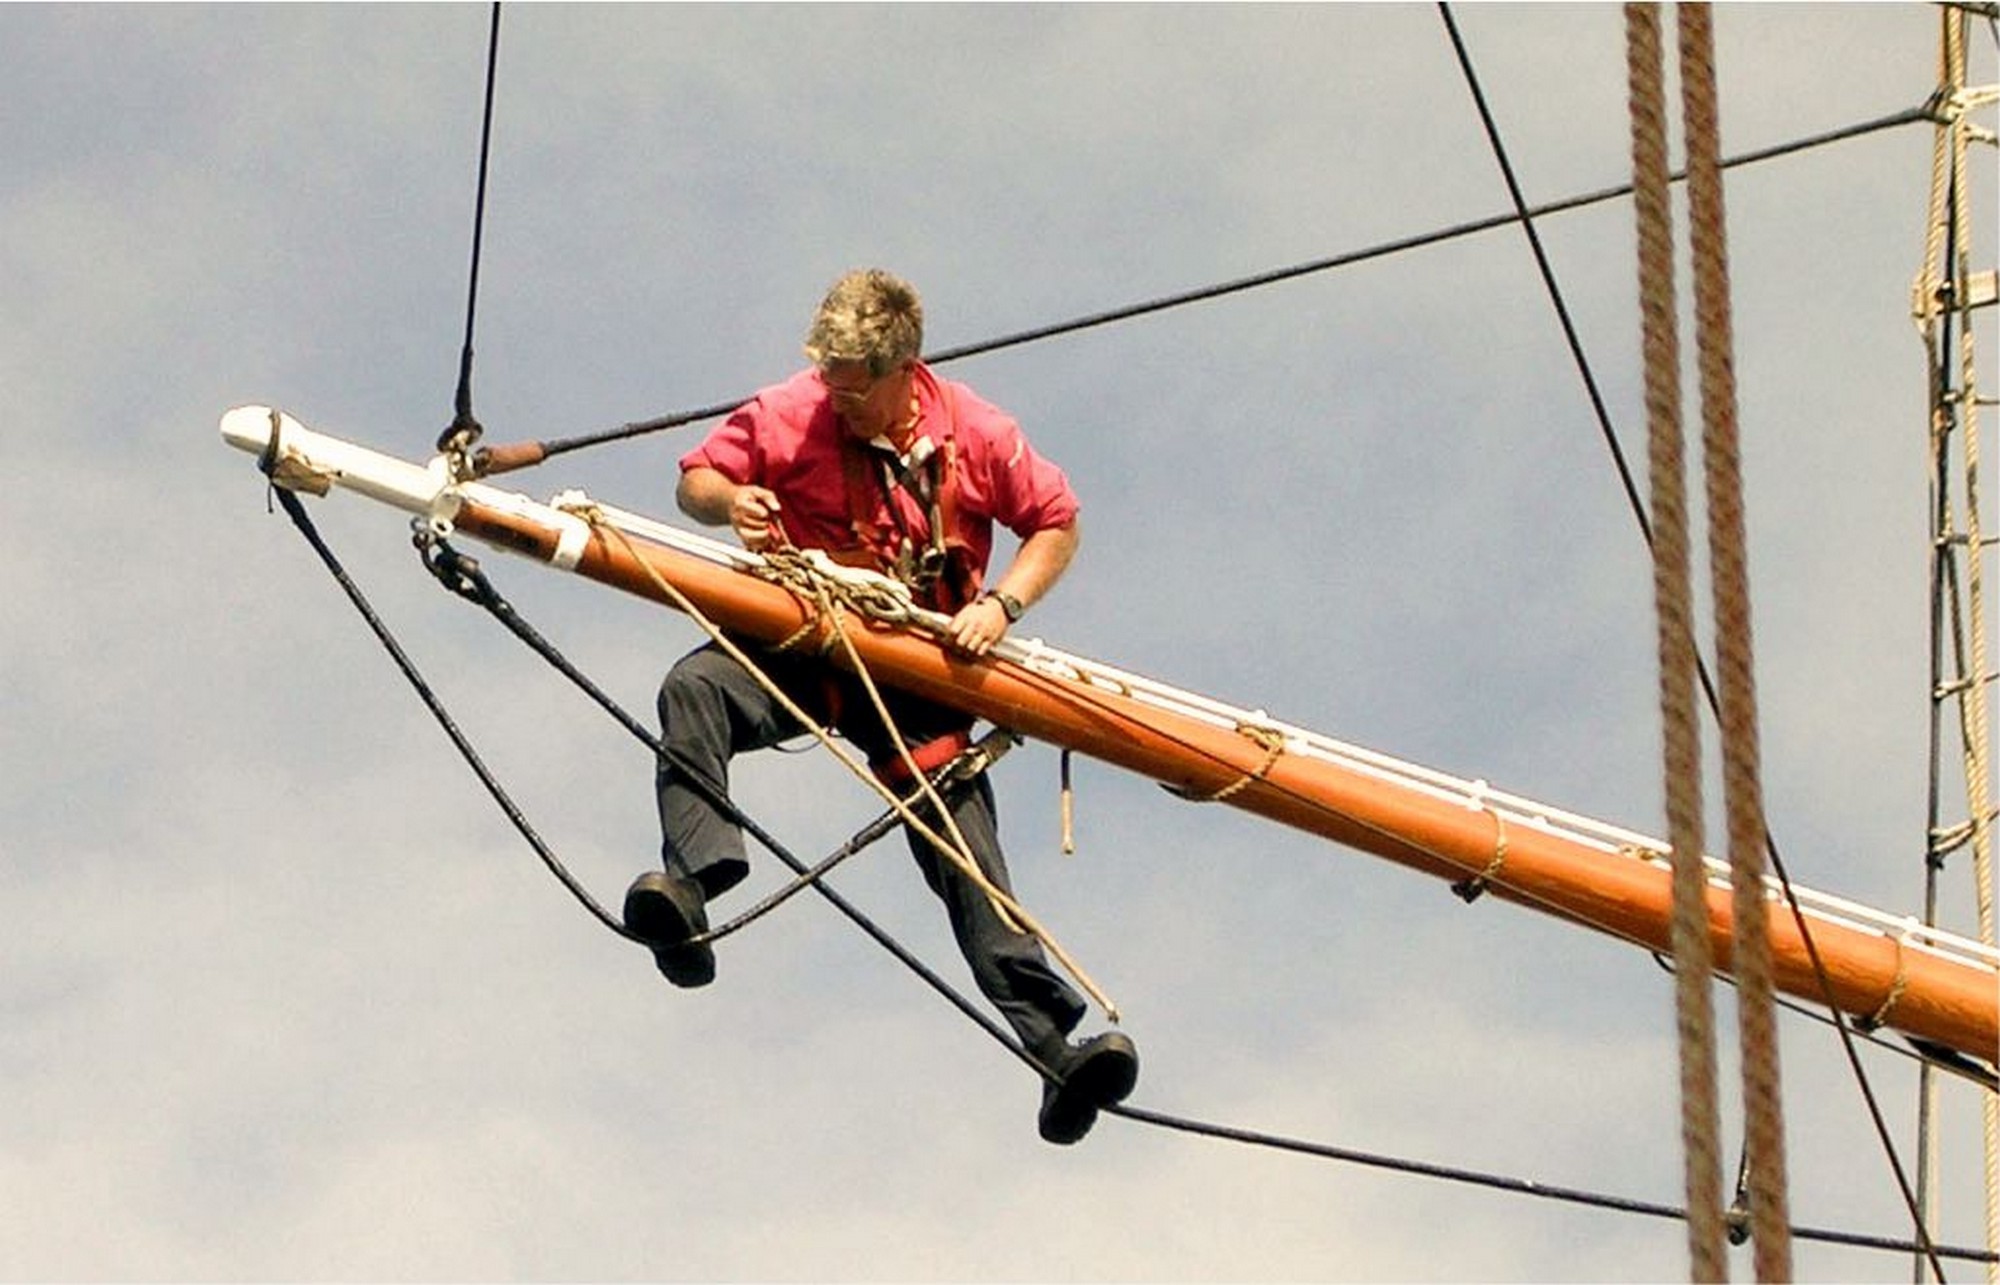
pixel 753 514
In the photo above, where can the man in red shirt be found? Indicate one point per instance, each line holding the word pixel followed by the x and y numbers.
pixel 871 457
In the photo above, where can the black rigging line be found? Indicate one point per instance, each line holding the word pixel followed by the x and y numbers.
pixel 481 593
pixel 1520 1186
pixel 464 429
pixel 1639 512
pixel 501 459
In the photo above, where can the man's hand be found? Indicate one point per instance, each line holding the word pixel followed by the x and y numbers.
pixel 711 499
pixel 977 627
pixel 753 514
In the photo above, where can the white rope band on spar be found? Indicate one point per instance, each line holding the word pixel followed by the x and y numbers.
pixel 1471 889
pixel 1897 985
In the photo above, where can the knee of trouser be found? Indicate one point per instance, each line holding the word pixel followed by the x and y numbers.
pixel 694 681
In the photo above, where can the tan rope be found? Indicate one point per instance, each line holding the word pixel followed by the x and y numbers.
pixel 1693 960
pixel 1949 222
pixel 1770 1221
pixel 957 854
pixel 1273 742
pixel 1470 890
pixel 1977 746
pixel 1977 763
pixel 1068 792
pixel 1897 985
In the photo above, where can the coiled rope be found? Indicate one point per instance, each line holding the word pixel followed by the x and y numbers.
pixel 824 592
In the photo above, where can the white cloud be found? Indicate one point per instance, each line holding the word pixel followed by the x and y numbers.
pixel 286 997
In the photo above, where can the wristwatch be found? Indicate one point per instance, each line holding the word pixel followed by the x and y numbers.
pixel 1010 606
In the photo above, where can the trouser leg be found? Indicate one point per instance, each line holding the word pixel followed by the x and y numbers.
pixel 711 708
pixel 1009 966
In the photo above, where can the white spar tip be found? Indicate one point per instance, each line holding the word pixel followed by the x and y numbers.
pixel 414 488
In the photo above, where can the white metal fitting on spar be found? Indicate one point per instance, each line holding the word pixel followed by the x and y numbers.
pixel 426 490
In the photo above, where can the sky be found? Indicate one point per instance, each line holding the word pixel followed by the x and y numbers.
pixel 284 995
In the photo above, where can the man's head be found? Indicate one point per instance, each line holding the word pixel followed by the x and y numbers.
pixel 868 330
pixel 869 316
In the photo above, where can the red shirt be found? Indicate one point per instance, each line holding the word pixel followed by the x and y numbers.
pixel 789 438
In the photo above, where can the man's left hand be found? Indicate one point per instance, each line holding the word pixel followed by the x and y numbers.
pixel 977 626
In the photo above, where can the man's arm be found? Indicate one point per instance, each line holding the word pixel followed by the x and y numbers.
pixel 709 497
pixel 1037 565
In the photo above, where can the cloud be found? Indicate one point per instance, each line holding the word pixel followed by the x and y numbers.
pixel 287 997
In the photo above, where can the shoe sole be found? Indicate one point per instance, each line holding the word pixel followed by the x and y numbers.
pixel 655 916
pixel 1104 1076
pixel 1108 1071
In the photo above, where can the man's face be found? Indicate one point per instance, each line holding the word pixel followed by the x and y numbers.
pixel 867 406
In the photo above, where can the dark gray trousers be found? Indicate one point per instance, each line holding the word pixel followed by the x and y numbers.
pixel 712 709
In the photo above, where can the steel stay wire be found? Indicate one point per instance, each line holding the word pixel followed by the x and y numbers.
pixel 463 576
pixel 488 461
pixel 465 430
pixel 1526 217
pixel 303 522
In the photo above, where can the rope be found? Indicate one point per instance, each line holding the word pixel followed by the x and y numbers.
pixel 462 576
pixel 490 461
pixel 1268 739
pixel 464 429
pixel 1673 600
pixel 1944 582
pixel 1978 743
pixel 1941 306
pixel 1932 110
pixel 955 853
pixel 1730 584
pixel 303 521
pixel 965 1006
pixel 1498 1182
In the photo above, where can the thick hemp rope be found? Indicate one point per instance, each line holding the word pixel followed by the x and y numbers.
pixel 1750 956
pixel 959 858
pixel 1693 960
pixel 1941 302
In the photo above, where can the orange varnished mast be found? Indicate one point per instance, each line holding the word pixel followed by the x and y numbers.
pixel 1867 974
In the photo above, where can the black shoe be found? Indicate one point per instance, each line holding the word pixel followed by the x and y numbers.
pixel 1100 1072
pixel 666 910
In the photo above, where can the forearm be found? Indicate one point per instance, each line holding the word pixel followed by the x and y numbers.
pixel 1038 564
pixel 704 494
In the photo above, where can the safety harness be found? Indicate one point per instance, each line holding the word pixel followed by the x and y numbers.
pixel 937 564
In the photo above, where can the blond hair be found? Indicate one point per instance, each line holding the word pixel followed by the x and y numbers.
pixel 870 316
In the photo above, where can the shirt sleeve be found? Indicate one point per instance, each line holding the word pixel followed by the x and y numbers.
pixel 1029 493
pixel 731 447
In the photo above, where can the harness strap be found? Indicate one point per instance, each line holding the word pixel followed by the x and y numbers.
pixel 958 579
pixel 930 756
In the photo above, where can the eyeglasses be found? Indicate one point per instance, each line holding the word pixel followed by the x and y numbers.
pixel 852 385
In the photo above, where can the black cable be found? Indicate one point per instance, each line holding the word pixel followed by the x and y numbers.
pixel 1499 1182
pixel 1638 507
pixel 464 429
pixel 463 576
pixel 303 521
pixel 638 428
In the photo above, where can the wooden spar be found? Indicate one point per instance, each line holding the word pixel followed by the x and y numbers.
pixel 1895 979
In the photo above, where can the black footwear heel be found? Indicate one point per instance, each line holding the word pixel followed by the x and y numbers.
pixel 665 911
